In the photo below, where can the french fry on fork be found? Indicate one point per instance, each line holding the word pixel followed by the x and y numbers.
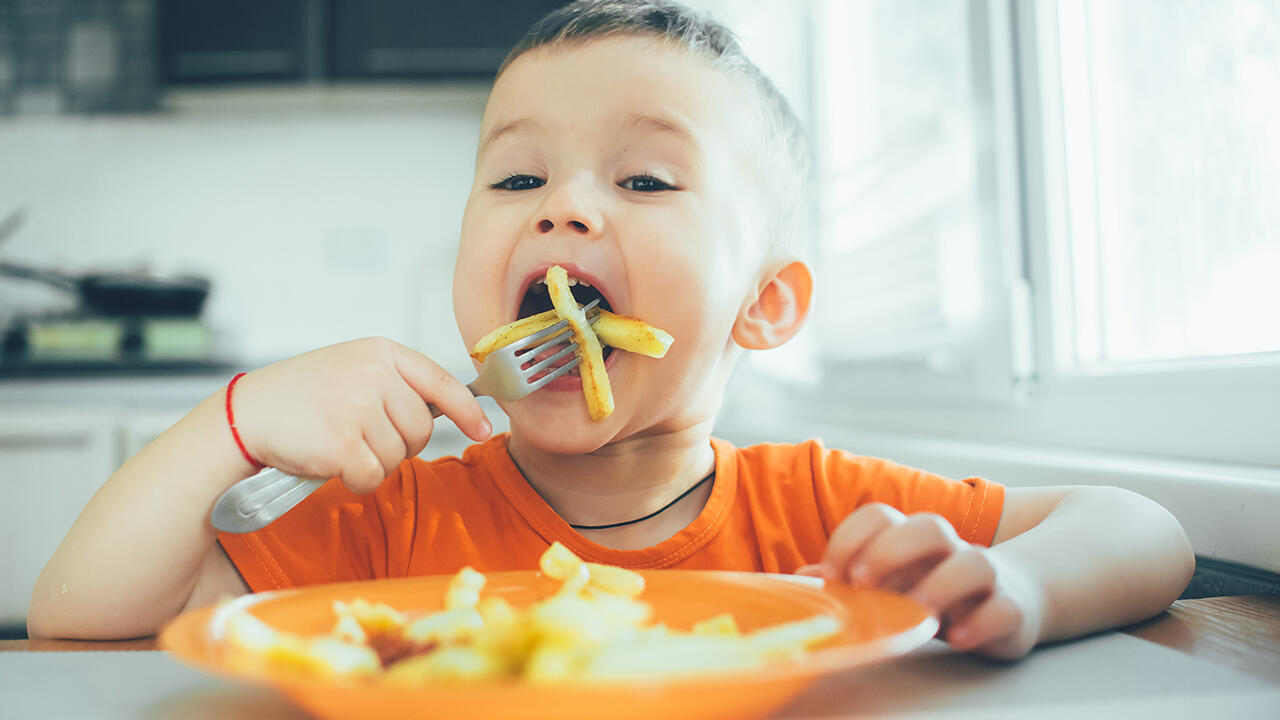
pixel 618 331
pixel 595 381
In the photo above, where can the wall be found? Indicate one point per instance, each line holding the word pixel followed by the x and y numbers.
pixel 322 214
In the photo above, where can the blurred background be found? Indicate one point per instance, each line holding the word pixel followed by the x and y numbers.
pixel 1046 233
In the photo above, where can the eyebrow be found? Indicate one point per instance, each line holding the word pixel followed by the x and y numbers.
pixel 659 124
pixel 651 123
pixel 508 128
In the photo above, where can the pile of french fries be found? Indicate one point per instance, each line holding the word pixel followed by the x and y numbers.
pixel 618 331
pixel 593 628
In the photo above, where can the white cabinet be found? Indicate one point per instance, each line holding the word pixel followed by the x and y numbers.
pixel 50 465
pixel 59 441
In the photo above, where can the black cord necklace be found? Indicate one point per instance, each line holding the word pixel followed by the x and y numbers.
pixel 655 513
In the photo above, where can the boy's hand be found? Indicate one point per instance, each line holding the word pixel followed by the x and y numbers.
pixel 353 410
pixel 984 608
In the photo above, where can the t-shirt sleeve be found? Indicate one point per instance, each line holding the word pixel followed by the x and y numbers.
pixel 334 535
pixel 845 482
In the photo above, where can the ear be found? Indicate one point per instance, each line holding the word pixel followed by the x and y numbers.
pixel 778 310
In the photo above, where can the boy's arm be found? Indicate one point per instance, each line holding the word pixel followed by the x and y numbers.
pixel 1064 562
pixel 143 549
pixel 1101 556
pixel 133 557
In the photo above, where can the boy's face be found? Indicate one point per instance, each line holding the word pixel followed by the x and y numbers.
pixel 625 161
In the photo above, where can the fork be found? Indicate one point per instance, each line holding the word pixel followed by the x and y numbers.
pixel 255 502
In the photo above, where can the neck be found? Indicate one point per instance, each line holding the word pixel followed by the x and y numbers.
pixel 622 480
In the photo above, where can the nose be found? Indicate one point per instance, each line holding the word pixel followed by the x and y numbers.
pixel 570 208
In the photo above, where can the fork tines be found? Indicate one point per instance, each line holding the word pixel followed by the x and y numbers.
pixel 551 335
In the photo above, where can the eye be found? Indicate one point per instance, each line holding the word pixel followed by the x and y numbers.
pixel 645 183
pixel 519 182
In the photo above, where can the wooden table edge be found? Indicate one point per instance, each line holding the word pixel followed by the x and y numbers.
pixel 1240 632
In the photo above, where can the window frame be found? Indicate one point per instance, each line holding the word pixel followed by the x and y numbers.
pixel 1211 409
pixel 1240 391
pixel 990 372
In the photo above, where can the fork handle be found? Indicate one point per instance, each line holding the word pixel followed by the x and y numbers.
pixel 255 502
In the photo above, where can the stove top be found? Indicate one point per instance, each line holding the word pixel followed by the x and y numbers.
pixel 51 345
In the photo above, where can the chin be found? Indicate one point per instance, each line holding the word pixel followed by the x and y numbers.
pixel 562 430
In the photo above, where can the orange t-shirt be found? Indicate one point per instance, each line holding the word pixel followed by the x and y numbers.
pixel 771 509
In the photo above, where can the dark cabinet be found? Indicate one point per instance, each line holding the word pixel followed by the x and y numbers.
pixel 251 40
pixel 77 55
pixel 119 55
pixel 206 41
pixel 401 39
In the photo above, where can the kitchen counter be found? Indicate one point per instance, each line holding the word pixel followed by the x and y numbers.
pixel 1212 657
pixel 26 370
pixel 121 390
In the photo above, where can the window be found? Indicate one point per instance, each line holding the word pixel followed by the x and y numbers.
pixel 1172 160
pixel 919 271
pixel 899 181
pixel 1050 224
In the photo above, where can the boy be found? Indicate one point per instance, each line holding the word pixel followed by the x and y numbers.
pixel 633 144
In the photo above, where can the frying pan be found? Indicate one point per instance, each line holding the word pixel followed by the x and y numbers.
pixel 115 293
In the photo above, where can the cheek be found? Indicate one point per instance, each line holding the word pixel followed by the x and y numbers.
pixel 698 309
pixel 693 277
pixel 475 275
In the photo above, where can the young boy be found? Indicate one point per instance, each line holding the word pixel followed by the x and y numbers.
pixel 634 145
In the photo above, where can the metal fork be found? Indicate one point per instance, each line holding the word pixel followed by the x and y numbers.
pixel 255 502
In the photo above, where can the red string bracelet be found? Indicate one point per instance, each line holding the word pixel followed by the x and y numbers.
pixel 231 421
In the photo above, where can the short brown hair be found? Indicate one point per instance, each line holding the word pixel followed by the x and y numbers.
pixel 785 166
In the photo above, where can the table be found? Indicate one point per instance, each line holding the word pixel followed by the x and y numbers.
pixel 1202 658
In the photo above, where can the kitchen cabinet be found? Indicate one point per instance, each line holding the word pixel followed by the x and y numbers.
pixel 59 440
pixel 120 55
pixel 292 40
pixel 238 40
pixel 406 39
pixel 77 55
pixel 50 465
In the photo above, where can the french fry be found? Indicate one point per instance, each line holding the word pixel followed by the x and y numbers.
pixel 722 624
pixel 595 381
pixel 558 562
pixel 372 618
pixel 254 644
pixel 449 664
pixel 464 589
pixel 632 334
pixel 615 580
pixel 618 331
pixel 446 626
pixel 511 332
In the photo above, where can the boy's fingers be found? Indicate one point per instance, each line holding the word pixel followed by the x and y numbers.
pixel 965 574
pixel 411 417
pixel 384 440
pixel 809 571
pixel 361 469
pixel 902 579
pixel 437 386
pixel 991 623
pixel 921 540
pixel 851 535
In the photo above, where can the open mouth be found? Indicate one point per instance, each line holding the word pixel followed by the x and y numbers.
pixel 537 299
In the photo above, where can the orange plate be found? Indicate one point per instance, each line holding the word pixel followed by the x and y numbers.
pixel 876 625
